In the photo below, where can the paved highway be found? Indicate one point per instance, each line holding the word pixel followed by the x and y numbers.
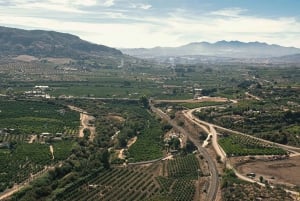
pixel 214 175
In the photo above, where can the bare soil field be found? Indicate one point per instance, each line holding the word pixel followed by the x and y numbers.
pixel 58 60
pixel 26 58
pixel 276 172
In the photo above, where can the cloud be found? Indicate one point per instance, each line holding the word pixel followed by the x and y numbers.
pixel 145 6
pixel 229 12
pixel 123 27
pixel 108 3
pixel 60 5
pixel 50 7
pixel 83 2
pixel 141 6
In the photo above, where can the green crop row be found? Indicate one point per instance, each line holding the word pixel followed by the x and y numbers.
pixel 36 117
pixel 238 145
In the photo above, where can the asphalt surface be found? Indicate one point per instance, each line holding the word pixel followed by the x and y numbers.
pixel 214 175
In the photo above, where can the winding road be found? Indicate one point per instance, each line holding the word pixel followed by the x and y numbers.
pixel 189 114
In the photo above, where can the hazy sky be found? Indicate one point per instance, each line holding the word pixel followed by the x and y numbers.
pixel 149 23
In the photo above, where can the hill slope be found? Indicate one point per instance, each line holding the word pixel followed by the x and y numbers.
pixel 234 49
pixel 49 44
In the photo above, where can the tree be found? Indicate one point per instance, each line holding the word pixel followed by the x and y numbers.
pixel 174 143
pixel 126 83
pixel 261 179
pixel 122 140
pixel 144 100
pixel 105 159
pixel 218 158
pixel 86 133
pixel 190 147
pixel 166 126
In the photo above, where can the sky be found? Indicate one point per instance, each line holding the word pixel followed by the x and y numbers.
pixel 151 23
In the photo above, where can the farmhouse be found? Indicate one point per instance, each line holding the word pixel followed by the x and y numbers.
pixel 38 91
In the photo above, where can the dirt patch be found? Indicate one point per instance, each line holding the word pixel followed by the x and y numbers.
pixel 76 109
pixel 26 58
pixel 252 96
pixel 281 165
pixel 51 151
pixel 116 118
pixel 131 141
pixel 33 138
pixel 277 172
pixel 85 124
pixel 58 60
pixel 121 154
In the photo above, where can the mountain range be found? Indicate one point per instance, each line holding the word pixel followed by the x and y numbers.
pixel 38 43
pixel 232 49
pixel 42 44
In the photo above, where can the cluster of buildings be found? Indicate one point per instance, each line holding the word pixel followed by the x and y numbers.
pixel 38 91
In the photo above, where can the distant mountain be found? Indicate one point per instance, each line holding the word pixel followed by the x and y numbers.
pixel 294 58
pixel 40 43
pixel 232 49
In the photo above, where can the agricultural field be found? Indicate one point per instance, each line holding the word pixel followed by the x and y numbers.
pixel 266 108
pixel 115 184
pixel 239 145
pixel 128 118
pixel 149 144
pixel 13 138
pixel 23 128
pixel 36 117
pixel 168 180
pixel 179 182
pixel 132 81
pixel 21 160
pixel 89 169
pixel 276 121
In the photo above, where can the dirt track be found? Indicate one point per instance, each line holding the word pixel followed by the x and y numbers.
pixel 129 144
pixel 6 194
pixel 85 122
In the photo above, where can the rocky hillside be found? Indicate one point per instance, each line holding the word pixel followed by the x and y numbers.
pixel 40 43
